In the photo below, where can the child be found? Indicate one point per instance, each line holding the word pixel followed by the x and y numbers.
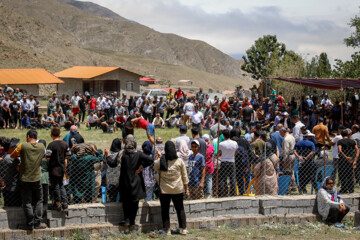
pixel 196 172
pixel 209 166
pixel 56 153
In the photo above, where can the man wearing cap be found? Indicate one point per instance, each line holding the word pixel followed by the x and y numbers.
pixel 321 132
pixel 196 166
pixel 305 150
pixel 171 122
pixel 288 157
pixel 197 120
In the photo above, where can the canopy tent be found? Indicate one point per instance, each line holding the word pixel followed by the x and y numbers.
pixel 324 83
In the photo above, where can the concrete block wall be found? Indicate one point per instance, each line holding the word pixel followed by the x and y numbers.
pixel 150 213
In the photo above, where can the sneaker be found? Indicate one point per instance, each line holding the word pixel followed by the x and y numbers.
pixel 40 226
pixel 184 231
pixel 339 225
pixel 168 232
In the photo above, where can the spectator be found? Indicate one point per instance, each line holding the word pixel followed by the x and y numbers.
pixel 31 154
pixel 209 166
pixel 196 171
pixel 73 137
pixel 158 121
pixel 173 180
pixel 133 187
pixel 209 122
pixel 288 157
pixel 227 151
pixel 148 172
pixel 321 132
pixel 330 206
pixel 113 174
pixel 197 120
pixel 188 109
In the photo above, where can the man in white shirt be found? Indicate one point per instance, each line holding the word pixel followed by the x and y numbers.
pixel 326 101
pixel 188 110
pixel 183 136
pixel 106 106
pixel 158 121
pixel 197 120
pixel 297 128
pixel 92 121
pixel 227 152
pixel 288 156
pixel 75 103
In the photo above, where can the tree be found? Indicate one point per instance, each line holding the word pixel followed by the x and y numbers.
pixel 348 69
pixel 319 66
pixel 260 59
pixel 354 39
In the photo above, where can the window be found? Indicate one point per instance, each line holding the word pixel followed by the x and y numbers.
pixel 129 86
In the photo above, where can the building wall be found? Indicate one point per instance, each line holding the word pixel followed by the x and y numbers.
pixel 47 89
pixel 69 86
pixel 29 88
pixel 123 77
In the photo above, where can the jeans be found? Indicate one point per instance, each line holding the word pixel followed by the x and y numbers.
pixel 227 169
pixel 32 200
pixel 58 189
pixel 246 126
pixel 241 175
pixel 178 200
pixel 208 184
pixel 306 175
pixel 149 193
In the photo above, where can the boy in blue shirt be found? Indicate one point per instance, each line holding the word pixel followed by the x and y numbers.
pixel 25 121
pixel 196 171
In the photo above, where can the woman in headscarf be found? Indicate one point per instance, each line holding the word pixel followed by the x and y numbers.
pixel 265 170
pixel 113 174
pixel 148 172
pixel 173 181
pixel 330 206
pixel 131 181
pixel 183 152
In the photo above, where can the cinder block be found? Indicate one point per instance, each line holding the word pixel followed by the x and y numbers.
pixel 235 211
pixel 89 220
pixel 229 204
pixel 270 202
pixel 96 211
pixel 206 213
pixel 279 210
pixel 347 201
pixel 357 219
pixel 220 212
pixel 197 207
pixel 296 210
pixel 245 203
pixel 4 224
pixel 303 202
pixel 54 223
pixel 255 203
pixel 73 221
pixel 213 205
pixel 289 203
pixel 308 209
pixel 251 210
pixel 81 212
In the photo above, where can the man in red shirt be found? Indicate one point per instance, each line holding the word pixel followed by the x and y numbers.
pixel 179 94
pixel 140 122
pixel 224 105
pixel 92 104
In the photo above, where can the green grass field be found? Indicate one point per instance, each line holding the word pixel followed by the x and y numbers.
pixel 100 139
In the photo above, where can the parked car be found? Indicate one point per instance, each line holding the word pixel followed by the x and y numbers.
pixel 155 92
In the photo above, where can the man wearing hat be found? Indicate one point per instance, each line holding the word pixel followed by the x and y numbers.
pixel 305 150
pixel 171 122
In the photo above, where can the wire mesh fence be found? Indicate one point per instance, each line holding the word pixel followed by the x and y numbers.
pixel 256 169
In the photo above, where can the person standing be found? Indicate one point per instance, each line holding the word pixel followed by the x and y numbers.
pixel 321 132
pixel 297 128
pixel 132 186
pixel 227 151
pixel 31 154
pixel 348 155
pixel 171 106
pixel 173 180
pixel 197 120
pixel 188 110
pixel 75 103
pixel 288 157
pixel 304 151
pixel 196 166
pixel 247 114
pixel 56 154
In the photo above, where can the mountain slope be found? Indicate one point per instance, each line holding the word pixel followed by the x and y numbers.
pixel 55 35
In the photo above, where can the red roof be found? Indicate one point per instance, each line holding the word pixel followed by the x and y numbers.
pixel 149 80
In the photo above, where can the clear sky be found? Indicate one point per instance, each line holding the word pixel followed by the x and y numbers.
pixel 308 27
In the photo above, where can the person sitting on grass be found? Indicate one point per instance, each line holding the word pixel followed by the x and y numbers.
pixel 108 126
pixel 158 122
pixel 25 121
pixel 330 206
pixel 92 121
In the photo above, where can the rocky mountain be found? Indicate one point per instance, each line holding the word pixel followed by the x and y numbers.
pixel 55 34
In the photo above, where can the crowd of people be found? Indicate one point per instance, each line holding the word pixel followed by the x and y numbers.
pixel 249 139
